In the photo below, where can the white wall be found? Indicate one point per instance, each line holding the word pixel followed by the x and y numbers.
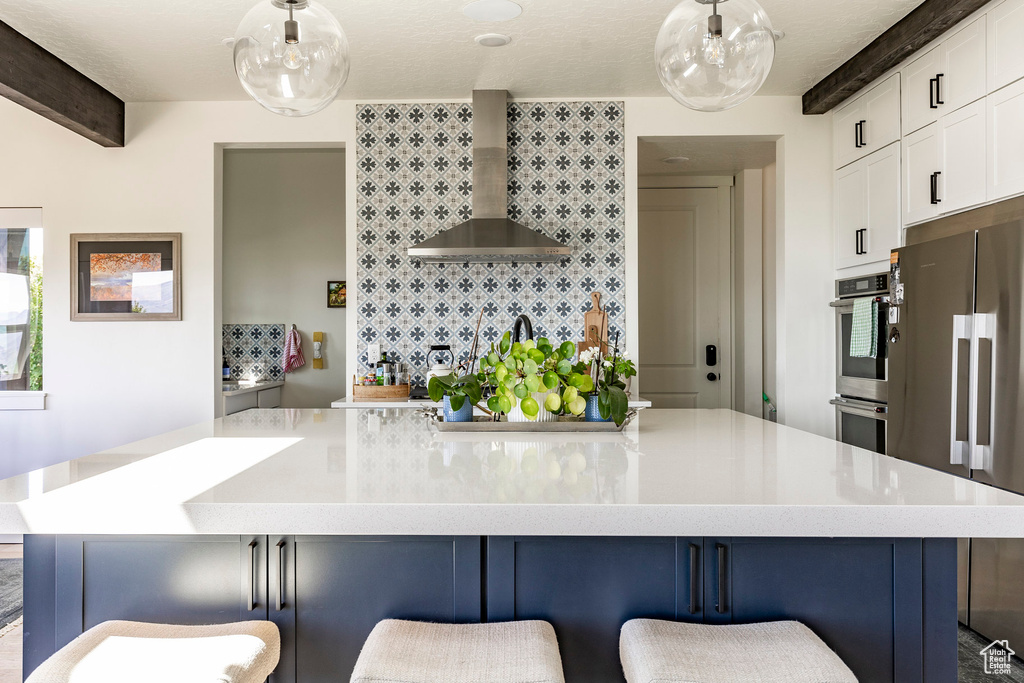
pixel 804 356
pixel 747 265
pixel 110 383
pixel 284 238
pixel 770 282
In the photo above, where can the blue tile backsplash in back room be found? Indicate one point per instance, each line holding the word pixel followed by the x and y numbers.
pixel 254 352
pixel 415 172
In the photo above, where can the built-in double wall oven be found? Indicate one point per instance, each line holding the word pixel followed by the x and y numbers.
pixel 862 382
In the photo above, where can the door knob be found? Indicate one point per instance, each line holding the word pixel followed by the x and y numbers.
pixel 712 377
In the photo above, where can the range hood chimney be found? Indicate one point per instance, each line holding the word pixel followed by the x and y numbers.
pixel 489 237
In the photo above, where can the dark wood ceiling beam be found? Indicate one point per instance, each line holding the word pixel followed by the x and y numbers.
pixel 924 24
pixel 38 80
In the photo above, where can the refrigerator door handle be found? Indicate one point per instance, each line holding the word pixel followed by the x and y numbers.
pixel 959 440
pixel 983 351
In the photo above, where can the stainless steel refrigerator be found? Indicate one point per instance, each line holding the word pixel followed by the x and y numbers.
pixel 956 393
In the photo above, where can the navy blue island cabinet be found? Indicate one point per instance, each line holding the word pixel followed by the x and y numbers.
pixel 887 606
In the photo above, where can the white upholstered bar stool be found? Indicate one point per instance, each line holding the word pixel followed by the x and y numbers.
pixel 420 652
pixel 770 652
pixel 132 652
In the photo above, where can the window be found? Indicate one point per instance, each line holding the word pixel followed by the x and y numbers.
pixel 21 300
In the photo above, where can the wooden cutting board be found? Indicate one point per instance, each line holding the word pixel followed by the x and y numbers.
pixel 595 325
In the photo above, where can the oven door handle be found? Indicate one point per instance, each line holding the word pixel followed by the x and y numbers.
pixel 875 411
pixel 963 344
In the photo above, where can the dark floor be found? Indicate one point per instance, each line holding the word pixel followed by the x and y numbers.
pixel 971 665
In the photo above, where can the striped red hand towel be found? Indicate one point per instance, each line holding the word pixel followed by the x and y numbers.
pixel 292 352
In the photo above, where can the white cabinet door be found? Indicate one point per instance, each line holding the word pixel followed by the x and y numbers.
pixel 1005 44
pixel 921 173
pixel 868 123
pixel 867 208
pixel 851 212
pixel 1006 142
pixel 963 158
pixel 945 78
pixel 846 132
pixel 919 106
pixel 883 199
pixel 963 63
pixel 882 112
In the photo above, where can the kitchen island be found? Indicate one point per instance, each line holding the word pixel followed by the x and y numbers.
pixel 327 521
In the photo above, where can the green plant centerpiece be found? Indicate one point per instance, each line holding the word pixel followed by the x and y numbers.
pixel 610 374
pixel 516 371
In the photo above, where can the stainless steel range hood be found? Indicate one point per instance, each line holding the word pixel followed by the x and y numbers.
pixel 489 237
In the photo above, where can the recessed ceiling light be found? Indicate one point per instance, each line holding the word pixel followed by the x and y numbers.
pixel 492 10
pixel 493 40
pixel 675 160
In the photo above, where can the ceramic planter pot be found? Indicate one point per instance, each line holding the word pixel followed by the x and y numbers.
pixel 517 415
pixel 464 414
pixel 593 413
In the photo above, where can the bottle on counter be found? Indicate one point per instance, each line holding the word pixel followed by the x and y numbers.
pixel 225 371
pixel 380 367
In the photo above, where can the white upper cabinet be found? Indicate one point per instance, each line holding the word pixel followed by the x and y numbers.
pixel 963 158
pixel 946 78
pixel 1006 142
pixel 944 165
pixel 868 123
pixel 922 153
pixel 1005 44
pixel 867 208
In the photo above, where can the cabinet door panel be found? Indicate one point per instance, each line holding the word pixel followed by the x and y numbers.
pixel 921 159
pixel 338 588
pixel 846 132
pixel 180 580
pixel 850 211
pixel 963 158
pixel 843 591
pixel 1006 142
pixel 1005 47
pixel 919 91
pixel 882 170
pixel 963 63
pixel 882 111
pixel 587 588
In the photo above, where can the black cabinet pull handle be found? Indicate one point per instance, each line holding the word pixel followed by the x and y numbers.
pixel 932 87
pixel 694 573
pixel 935 188
pixel 938 89
pixel 280 575
pixel 860 246
pixel 863 125
pixel 721 606
pixel 856 135
pixel 252 575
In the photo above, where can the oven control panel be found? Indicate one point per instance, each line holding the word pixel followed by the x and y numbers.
pixel 863 286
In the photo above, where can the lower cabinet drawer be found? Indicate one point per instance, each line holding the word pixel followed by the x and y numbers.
pixel 236 404
pixel 269 398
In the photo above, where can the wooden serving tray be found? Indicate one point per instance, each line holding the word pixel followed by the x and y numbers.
pixel 395 391
pixel 485 424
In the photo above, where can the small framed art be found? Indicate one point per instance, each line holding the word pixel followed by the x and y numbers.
pixel 336 294
pixel 126 276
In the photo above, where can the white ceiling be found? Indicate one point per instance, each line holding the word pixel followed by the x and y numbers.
pixel 146 50
pixel 707 155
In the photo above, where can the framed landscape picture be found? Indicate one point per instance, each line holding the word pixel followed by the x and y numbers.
pixel 336 294
pixel 126 276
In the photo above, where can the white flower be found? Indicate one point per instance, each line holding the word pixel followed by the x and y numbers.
pixel 607 363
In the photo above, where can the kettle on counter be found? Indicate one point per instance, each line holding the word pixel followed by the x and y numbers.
pixel 440 369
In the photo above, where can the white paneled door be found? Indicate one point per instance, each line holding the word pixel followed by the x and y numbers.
pixel 685 302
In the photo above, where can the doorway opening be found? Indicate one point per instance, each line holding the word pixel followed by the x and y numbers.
pixel 706 271
pixel 282 266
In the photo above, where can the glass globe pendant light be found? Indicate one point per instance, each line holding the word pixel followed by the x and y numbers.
pixel 713 62
pixel 291 56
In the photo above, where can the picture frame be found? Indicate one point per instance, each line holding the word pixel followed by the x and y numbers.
pixel 336 294
pixel 125 276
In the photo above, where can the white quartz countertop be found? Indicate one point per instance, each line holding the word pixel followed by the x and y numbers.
pixel 403 403
pixel 670 473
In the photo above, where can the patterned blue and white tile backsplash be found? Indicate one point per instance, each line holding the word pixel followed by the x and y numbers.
pixel 254 352
pixel 415 172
